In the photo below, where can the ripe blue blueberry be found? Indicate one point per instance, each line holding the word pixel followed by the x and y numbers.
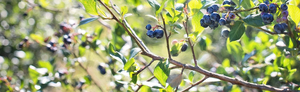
pixel 150 33
pixel 184 47
pixel 148 26
pixel 210 10
pixel 226 2
pixel 67 39
pixel 284 25
pixel 224 15
pixel 202 23
pixel 267 18
pixel 158 33
pixel 279 28
pixel 284 7
pixel 222 21
pixel 263 7
pixel 207 19
pixel 215 17
pixel 228 21
pixel 213 25
pixel 215 7
pixel 225 33
pixel 272 8
pixel 101 69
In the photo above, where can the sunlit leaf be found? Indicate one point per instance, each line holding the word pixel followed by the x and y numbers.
pixel 37 38
pixel 124 10
pixel 197 28
pixel 191 76
pixel 33 74
pixel 226 63
pixel 45 64
pixel 90 6
pixel 294 12
pixel 161 72
pixel 195 6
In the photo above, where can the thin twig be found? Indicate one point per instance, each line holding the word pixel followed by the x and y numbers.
pixel 197 83
pixel 144 67
pixel 189 40
pixel 167 37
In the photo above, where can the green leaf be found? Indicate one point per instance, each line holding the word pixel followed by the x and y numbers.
pixel 124 10
pixel 45 64
pixel 134 52
pixel 221 70
pixel 133 77
pixel 176 49
pixel 294 12
pixel 202 44
pixel 254 20
pixel 162 71
pixel 226 63
pixel 116 55
pixel 81 51
pixel 196 23
pixel 195 6
pixel 236 31
pixel 87 79
pixel 87 20
pixel 145 89
pixel 37 38
pixel 247 4
pixel 33 74
pixel 154 4
pixel 174 80
pixel 191 76
pixel 90 6
pixel 129 64
pixel 235 49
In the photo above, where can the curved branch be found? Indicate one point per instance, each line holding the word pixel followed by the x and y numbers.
pixel 146 52
pixel 197 83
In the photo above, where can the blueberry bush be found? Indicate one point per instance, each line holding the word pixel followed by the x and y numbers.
pixel 150 45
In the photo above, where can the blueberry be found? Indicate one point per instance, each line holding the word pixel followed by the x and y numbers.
pixel 203 24
pixel 232 4
pixel 67 39
pixel 184 47
pixel 267 18
pixel 272 8
pixel 213 25
pixel 215 7
pixel 278 28
pixel 25 39
pixel 225 33
pixel 150 33
pixel 158 33
pixel 207 19
pixel 210 10
pixel 148 27
pixel 284 18
pixel 231 15
pixel 224 15
pixel 284 25
pixel 83 44
pixel 228 21
pixel 263 7
pixel 222 21
pixel 284 7
pixel 25 14
pixel 20 45
pixel 226 2
pixel 81 17
pixel 101 69
pixel 229 8
pixel 285 13
pixel 215 17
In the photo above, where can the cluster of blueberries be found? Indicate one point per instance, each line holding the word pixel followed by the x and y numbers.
pixel 266 13
pixel 213 19
pixel 156 33
pixel 25 41
pixel 51 46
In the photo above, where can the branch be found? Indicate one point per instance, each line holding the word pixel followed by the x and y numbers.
pixel 144 67
pixel 197 83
